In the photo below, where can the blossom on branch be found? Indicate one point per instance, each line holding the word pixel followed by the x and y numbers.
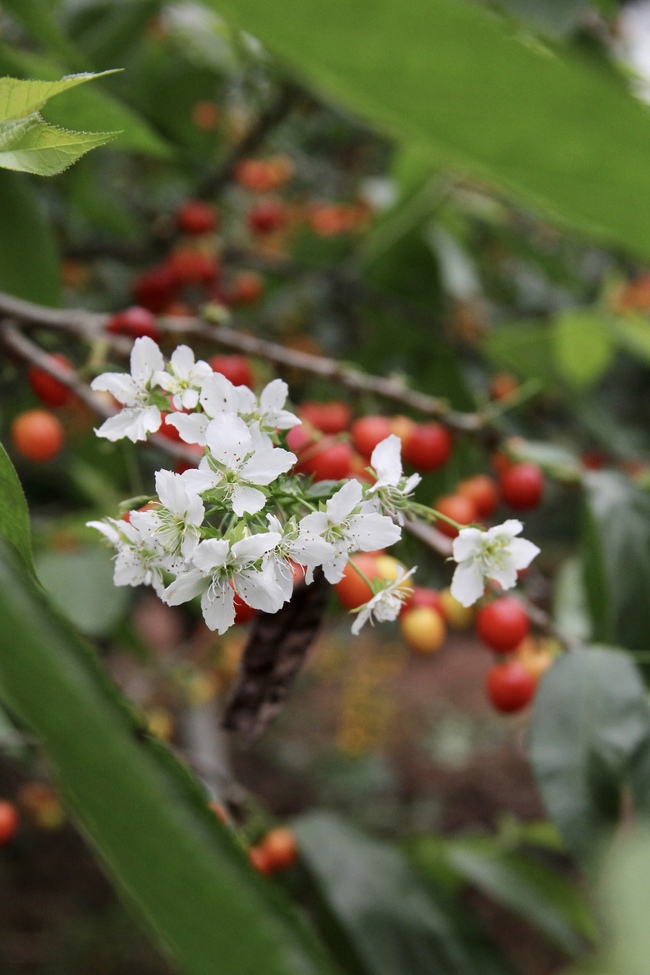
pixel 493 554
pixel 140 415
pixel 184 377
pixel 391 490
pixel 386 604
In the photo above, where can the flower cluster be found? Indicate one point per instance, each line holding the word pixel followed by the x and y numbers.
pixel 236 525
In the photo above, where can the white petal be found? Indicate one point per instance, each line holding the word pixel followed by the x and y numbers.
pixel 467 584
pixel 182 361
pixel 274 395
pixel 523 552
pixel 218 395
pixel 247 500
pixel 218 605
pixel 118 384
pixel 386 460
pixel 191 427
pixel 505 575
pixel 146 358
pixel 131 422
pixel 362 616
pixel 468 543
pixel 344 501
pixel 211 554
pixel 255 546
pixel 229 441
pixel 260 590
pixel 184 587
pixel 200 481
pixel 508 529
pixel 373 531
pixel 267 464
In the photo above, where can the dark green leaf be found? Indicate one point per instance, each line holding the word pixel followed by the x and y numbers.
pixel 616 558
pixel 525 349
pixel 443 72
pixel 38 19
pixel 14 516
pixel 591 719
pixel 29 260
pixel 183 872
pixel 80 583
pixel 386 913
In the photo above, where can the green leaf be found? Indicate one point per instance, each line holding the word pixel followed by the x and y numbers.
pixel 19 98
pixel 591 720
pixel 80 584
pixel 88 107
pixel 525 349
pixel 616 559
pixel 14 515
pixel 30 145
pixel 633 334
pixel 625 898
pixel 443 73
pixel 381 907
pixel 583 347
pixel 184 873
pixel 29 258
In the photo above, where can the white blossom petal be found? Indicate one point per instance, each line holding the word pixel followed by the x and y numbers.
pixel 467 584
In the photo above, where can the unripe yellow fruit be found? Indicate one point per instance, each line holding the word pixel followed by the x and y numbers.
pixel 458 616
pixel 423 629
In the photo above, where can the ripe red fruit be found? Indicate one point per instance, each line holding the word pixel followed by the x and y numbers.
pixel 352 590
pixel 49 390
pixel 455 506
pixel 196 217
pixel 421 598
pixel 331 417
pixel 329 461
pixel 483 491
pixel 37 435
pixel 243 612
pixel 428 447
pixel 188 266
pixel 253 175
pixel 155 289
pixel 9 821
pixel 267 215
pixel 510 686
pixel 368 431
pixel 236 368
pixel 502 624
pixel 259 859
pixel 502 385
pixel 300 437
pixel 522 486
pixel 245 289
pixel 135 322
pixel 281 848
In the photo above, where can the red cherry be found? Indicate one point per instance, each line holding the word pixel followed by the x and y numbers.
pixel 37 435
pixel 155 289
pixel 352 589
pixel 245 289
pixel 455 506
pixel 135 322
pixel 187 266
pixel 483 491
pixel 195 217
pixel 267 215
pixel 49 390
pixel 502 624
pixel 243 612
pixel 331 417
pixel 510 686
pixel 259 859
pixel 300 437
pixel 281 848
pixel 9 821
pixel 522 486
pixel 253 175
pixel 421 597
pixel 236 368
pixel 368 431
pixel 428 447
pixel 330 461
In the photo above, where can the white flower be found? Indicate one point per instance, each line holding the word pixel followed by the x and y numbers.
pixel 270 413
pixel 310 553
pixel 386 603
pixel 219 571
pixel 139 416
pixel 184 377
pixel 493 554
pixel 347 528
pixel 239 460
pixel 217 396
pixel 391 489
pixel 175 521
pixel 139 558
